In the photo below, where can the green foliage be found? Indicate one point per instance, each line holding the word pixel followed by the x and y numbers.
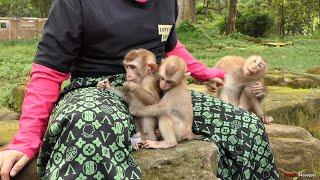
pixel 256 24
pixel 24 8
pixel 186 26
pixel 17 8
pixel 208 45
pixel 222 26
pixel 15 62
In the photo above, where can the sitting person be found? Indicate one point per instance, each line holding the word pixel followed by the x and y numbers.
pixel 88 130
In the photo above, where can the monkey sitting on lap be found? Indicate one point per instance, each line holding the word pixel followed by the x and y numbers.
pixel 174 109
pixel 141 88
pixel 243 83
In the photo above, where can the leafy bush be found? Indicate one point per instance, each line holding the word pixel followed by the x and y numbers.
pixel 256 24
pixel 186 26
pixel 222 26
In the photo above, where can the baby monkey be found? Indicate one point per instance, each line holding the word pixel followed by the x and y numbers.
pixel 174 109
pixel 243 83
pixel 141 88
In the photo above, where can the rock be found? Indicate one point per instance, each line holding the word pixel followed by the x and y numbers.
pixel 17 97
pixel 293 80
pixel 7 114
pixel 7 130
pixel 294 149
pixel 189 160
pixel 284 131
pixel 314 70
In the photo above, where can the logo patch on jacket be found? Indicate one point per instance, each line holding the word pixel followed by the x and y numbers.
pixel 164 31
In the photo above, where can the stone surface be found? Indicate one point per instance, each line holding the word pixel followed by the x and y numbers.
pixel 295 149
pixel 17 97
pixel 189 160
pixel 7 114
pixel 294 80
pixel 314 70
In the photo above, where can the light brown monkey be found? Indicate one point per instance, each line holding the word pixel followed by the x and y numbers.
pixel 243 83
pixel 174 109
pixel 141 88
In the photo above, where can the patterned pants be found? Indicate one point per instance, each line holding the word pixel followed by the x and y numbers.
pixel 88 136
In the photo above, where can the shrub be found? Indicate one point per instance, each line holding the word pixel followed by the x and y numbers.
pixel 256 24
pixel 186 26
pixel 222 26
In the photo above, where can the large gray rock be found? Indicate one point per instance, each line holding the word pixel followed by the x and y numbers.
pixel 189 160
pixel 294 148
pixel 7 114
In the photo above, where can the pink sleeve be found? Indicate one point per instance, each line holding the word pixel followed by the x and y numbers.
pixel 41 94
pixel 197 69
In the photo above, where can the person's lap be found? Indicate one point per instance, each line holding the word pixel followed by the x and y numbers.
pixel 88 136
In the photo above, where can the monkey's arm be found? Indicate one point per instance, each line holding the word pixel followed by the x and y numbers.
pixel 155 110
pixel 119 92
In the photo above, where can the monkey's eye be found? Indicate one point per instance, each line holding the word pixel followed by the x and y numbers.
pixel 254 61
pixel 131 67
pixel 169 82
pixel 260 65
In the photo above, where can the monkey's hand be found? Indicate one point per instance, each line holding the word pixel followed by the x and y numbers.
pixel 103 85
pixel 134 110
pixel 130 86
pixel 267 119
pixel 136 141
pixel 214 84
pixel 258 90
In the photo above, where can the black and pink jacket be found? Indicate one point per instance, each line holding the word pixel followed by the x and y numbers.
pixel 90 38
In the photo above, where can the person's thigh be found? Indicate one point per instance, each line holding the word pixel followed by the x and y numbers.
pixel 243 146
pixel 88 138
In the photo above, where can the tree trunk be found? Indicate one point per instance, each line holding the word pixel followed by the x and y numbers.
pixel 282 20
pixel 218 7
pixel 187 10
pixel 232 16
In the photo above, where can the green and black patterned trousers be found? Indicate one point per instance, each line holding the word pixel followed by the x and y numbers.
pixel 88 136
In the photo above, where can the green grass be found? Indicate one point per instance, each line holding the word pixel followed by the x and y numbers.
pixel 15 63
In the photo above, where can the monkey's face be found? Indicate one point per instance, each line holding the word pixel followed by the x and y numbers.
pixel 171 72
pixel 255 67
pixel 165 84
pixel 136 70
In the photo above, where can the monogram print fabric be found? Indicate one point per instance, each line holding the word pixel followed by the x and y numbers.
pixel 89 129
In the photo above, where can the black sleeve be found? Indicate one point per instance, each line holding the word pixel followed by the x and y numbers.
pixel 61 39
pixel 172 39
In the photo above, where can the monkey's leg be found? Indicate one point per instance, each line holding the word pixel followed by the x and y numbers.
pixel 167 132
pixel 230 95
pixel 148 126
pixel 182 130
pixel 244 101
pixel 257 108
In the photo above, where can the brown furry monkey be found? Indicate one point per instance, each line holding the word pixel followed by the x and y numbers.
pixel 174 109
pixel 243 83
pixel 141 88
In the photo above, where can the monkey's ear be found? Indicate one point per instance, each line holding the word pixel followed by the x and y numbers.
pixel 187 74
pixel 153 67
